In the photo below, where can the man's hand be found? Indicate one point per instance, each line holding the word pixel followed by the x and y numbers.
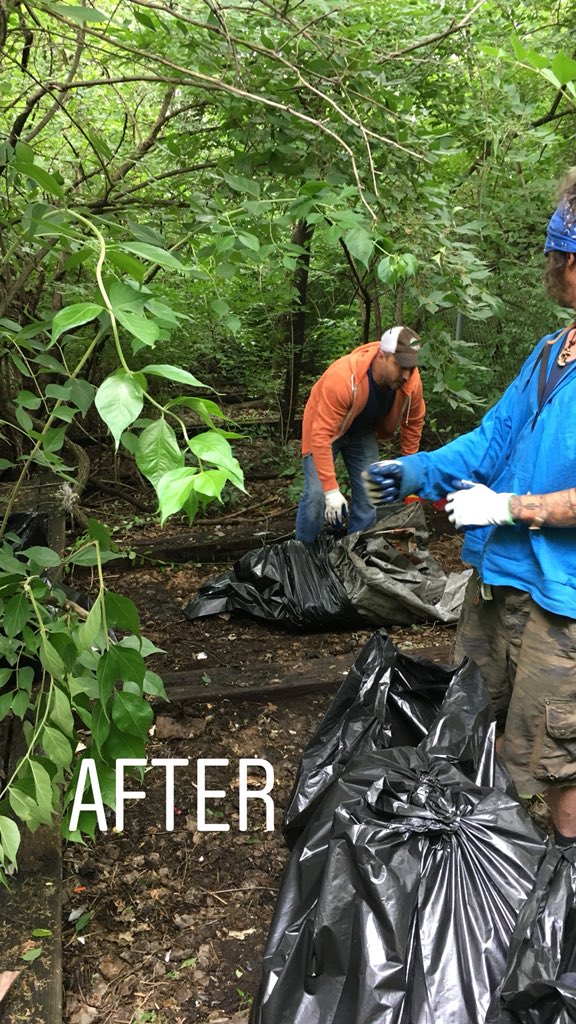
pixel 336 508
pixel 478 505
pixel 385 481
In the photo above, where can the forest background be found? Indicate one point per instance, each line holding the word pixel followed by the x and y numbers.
pixel 231 195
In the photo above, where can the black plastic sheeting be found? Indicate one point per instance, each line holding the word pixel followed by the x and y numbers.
pixel 402 892
pixel 540 982
pixel 388 699
pixel 361 578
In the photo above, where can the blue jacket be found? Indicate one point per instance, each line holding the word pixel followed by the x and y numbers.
pixel 518 449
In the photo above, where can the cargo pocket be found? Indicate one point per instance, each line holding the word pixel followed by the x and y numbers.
pixel 554 755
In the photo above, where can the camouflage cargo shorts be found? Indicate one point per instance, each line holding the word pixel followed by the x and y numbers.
pixel 528 659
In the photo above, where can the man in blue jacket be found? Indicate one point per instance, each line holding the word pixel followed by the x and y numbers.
pixel 511 485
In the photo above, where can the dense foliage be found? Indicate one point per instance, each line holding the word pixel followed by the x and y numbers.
pixel 248 191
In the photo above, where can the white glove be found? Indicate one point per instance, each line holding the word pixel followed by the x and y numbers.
pixel 336 508
pixel 478 505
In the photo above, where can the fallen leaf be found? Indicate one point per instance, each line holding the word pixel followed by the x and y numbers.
pixel 169 729
pixel 241 935
pixel 110 967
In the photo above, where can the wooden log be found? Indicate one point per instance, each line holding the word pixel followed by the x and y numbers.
pixel 194 548
pixel 33 902
pixel 316 676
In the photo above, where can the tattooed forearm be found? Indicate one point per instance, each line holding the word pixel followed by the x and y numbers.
pixel 557 509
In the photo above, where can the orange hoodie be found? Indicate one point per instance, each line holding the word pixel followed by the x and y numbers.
pixel 339 396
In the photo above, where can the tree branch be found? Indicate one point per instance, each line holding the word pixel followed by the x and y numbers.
pixel 437 37
pixel 57 103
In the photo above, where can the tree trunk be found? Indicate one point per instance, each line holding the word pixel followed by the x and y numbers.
pixel 295 329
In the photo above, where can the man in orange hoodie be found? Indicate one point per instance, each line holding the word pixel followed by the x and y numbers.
pixel 363 396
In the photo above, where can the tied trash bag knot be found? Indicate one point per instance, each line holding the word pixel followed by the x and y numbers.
pixel 426 800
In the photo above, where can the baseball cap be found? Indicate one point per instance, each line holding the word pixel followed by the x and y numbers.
pixel 403 343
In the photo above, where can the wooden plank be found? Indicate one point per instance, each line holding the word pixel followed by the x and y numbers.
pixel 323 674
pixel 34 901
pixel 192 549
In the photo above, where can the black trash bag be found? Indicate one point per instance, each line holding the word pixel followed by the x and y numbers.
pixel 291 583
pixel 388 699
pixel 30 529
pixel 361 578
pixel 540 982
pixel 401 895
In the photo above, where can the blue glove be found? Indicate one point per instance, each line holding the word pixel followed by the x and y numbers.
pixel 390 480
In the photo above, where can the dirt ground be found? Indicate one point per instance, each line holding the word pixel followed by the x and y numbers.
pixel 169 926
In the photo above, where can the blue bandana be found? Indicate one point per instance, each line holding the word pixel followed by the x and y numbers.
pixel 561 232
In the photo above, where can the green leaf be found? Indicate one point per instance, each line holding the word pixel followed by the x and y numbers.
pixel 24 419
pixel 42 177
pixel 564 68
pixel 19 703
pixel 121 612
pixel 249 241
pixel 74 316
pixel 100 532
pixel 56 747
pixel 41 933
pixel 127 264
pixel 410 264
pixel 83 920
pixel 100 726
pixel 210 482
pixel 61 713
pixel 154 685
pixel 240 184
pixel 163 313
pixel 173 489
pixel 212 447
pixel 205 408
pixel 174 373
pixel 549 74
pixel 131 714
pixel 90 556
pixel 44 558
pixel 123 744
pixel 25 677
pixel 157 451
pixel 80 14
pixel 89 630
pixel 139 325
pixel 10 564
pixel 9 839
pixel 43 787
pixel 51 660
pixel 190 506
pixel 16 613
pixel 5 704
pixel 519 50
pixel 118 664
pixel 360 244
pixel 24 152
pixel 153 254
pixel 119 400
pixel 32 954
pixel 27 400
